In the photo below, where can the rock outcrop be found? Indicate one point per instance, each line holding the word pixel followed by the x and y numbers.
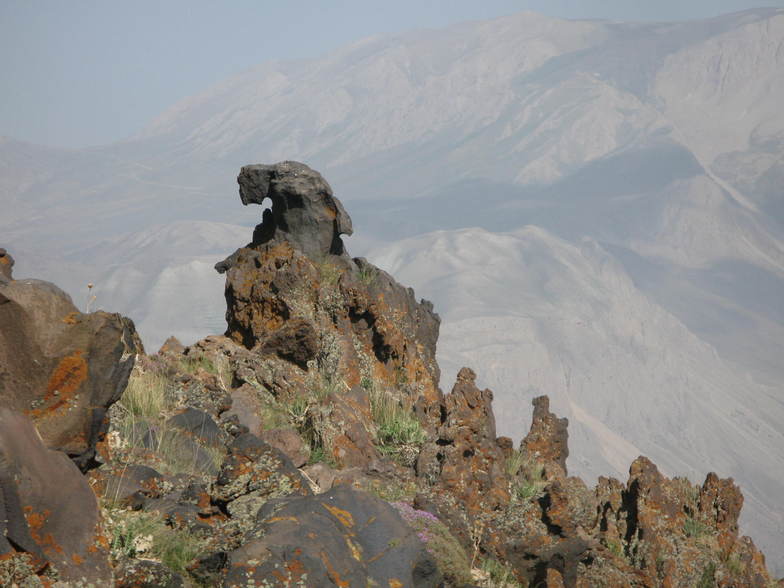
pixel 320 319
pixel 62 367
pixel 311 445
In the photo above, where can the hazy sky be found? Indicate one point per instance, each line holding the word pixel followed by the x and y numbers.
pixel 85 72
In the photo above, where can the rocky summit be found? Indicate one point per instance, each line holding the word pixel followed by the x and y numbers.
pixel 311 444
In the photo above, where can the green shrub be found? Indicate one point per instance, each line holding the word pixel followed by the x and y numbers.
pixel 527 476
pixel 329 273
pixel 735 566
pixel 396 425
pixel 708 578
pixel 192 365
pixel 694 528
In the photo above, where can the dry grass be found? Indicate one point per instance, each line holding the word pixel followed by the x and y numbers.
pixel 146 396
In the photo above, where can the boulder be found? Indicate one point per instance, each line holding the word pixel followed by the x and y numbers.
pixel 61 367
pixel 289 442
pixel 47 508
pixel 253 473
pixel 197 425
pixel 6 265
pixel 343 537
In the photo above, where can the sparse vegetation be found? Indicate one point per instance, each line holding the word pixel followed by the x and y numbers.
pixel 192 365
pixel 146 396
pixel 439 542
pixel 708 578
pixel 694 528
pixel 396 425
pixel 527 476
pixel 329 273
pixel 735 565
pixel 367 274
pixel 615 547
pixel 136 534
pixel 144 435
pixel 499 575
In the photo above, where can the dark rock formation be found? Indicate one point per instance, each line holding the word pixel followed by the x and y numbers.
pixel 304 211
pixel 196 424
pixel 61 367
pixel 463 460
pixel 341 538
pixel 134 573
pixel 321 320
pixel 547 440
pixel 47 509
pixel 6 265
pixel 289 442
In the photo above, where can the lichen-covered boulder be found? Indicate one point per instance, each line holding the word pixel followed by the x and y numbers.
pixel 6 265
pixel 253 473
pixel 61 367
pixel 47 509
pixel 341 538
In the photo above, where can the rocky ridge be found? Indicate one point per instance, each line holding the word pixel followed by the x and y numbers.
pixel 311 444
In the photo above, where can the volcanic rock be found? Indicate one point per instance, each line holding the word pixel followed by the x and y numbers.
pixel 294 294
pixel 289 442
pixel 464 459
pixel 47 508
pixel 547 440
pixel 6 265
pixel 341 538
pixel 253 473
pixel 304 211
pixel 61 367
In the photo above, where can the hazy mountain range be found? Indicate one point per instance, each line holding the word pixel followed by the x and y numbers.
pixel 595 207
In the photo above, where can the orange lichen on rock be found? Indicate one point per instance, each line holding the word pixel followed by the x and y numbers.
pixel 346 518
pixel 68 375
pixel 71 318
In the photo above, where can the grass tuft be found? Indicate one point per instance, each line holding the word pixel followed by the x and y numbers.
pixel 396 425
pixel 145 535
pixel 694 528
pixel 146 395
pixel 527 476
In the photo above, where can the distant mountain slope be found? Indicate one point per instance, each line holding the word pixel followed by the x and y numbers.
pixel 663 143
